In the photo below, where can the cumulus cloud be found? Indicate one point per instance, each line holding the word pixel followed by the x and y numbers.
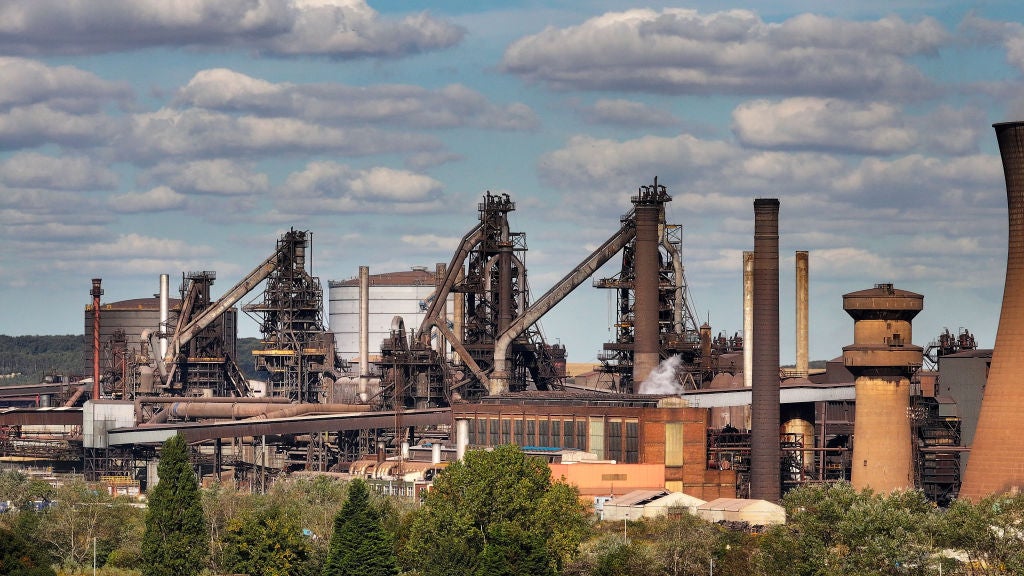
pixel 335 28
pixel 684 51
pixel 159 199
pixel 451 106
pixel 196 133
pixel 218 177
pixel 627 113
pixel 63 88
pixel 34 170
pixel 329 187
pixel 431 242
pixel 39 124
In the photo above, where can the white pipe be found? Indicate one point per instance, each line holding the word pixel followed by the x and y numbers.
pixel 405 450
pixel 802 306
pixel 364 332
pixel 461 437
pixel 435 453
pixel 748 318
pixel 164 312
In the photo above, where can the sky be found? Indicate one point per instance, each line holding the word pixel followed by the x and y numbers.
pixel 140 137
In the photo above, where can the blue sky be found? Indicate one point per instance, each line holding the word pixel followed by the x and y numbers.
pixel 146 137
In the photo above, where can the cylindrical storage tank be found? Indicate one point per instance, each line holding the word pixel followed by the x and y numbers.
pixel 131 316
pixel 996 462
pixel 435 453
pixel 798 425
pixel 765 450
pixel 404 294
pixel 881 359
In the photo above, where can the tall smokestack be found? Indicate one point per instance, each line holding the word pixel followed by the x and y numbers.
pixel 165 300
pixel 880 359
pixel 802 299
pixel 996 463
pixel 648 204
pixel 364 332
pixel 765 448
pixel 96 292
pixel 748 318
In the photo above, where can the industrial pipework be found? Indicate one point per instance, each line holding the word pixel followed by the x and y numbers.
pixel 96 292
pixel 765 447
pixel 996 463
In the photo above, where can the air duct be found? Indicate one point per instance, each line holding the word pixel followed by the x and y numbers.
pixel 765 448
pixel 996 463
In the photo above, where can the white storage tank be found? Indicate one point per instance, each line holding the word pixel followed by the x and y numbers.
pixel 405 294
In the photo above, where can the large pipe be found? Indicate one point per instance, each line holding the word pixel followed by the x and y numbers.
pixel 504 278
pixel 748 318
pixel 996 463
pixel 646 280
pixel 766 451
pixel 96 292
pixel 802 305
pixel 165 299
pixel 364 332
pixel 461 437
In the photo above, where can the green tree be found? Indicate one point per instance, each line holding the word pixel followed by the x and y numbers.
pixel 988 532
pixel 490 488
pixel 359 545
pixel 265 541
pixel 18 557
pixel 175 540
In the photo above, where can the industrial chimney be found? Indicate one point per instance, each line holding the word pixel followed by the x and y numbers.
pixel 765 448
pixel 802 309
pixel 96 292
pixel 996 463
pixel 882 359
pixel 648 206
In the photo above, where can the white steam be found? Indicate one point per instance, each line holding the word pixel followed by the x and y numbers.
pixel 663 380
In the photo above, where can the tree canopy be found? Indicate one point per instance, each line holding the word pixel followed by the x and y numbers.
pixel 491 507
pixel 175 542
pixel 360 546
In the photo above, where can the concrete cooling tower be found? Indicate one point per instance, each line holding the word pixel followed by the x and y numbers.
pixel 996 462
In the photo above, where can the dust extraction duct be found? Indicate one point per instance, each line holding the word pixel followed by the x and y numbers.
pixel 996 462
pixel 766 451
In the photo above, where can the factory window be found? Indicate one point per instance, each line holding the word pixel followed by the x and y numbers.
pixel 519 437
pixel 632 441
pixel 581 435
pixel 531 432
pixel 556 433
pixel 613 439
pixel 570 435
pixel 506 431
pixel 493 440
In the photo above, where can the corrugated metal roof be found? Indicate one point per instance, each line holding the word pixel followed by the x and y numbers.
pixel 637 498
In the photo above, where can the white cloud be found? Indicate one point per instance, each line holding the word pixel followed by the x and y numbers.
pixel 34 170
pixel 407 105
pixel 335 188
pixel 431 242
pixel 159 199
pixel 627 113
pixel 683 51
pixel 39 124
pixel 64 88
pixel 197 133
pixel 340 29
pixel 220 177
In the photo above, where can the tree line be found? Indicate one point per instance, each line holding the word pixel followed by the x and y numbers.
pixel 494 513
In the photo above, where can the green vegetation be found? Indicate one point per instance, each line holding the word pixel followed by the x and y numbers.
pixel 175 542
pixel 494 507
pixel 360 546
pixel 496 513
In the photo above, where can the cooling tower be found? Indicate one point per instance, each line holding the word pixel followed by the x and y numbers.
pixel 996 462
pixel 765 449
pixel 882 359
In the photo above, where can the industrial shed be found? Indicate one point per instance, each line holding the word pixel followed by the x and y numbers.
pixel 753 512
pixel 648 504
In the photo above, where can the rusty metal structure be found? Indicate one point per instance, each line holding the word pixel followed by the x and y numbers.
pixel 882 359
pixel 994 466
pixel 643 293
pixel 766 451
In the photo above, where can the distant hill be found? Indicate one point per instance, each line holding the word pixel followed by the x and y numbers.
pixel 27 359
